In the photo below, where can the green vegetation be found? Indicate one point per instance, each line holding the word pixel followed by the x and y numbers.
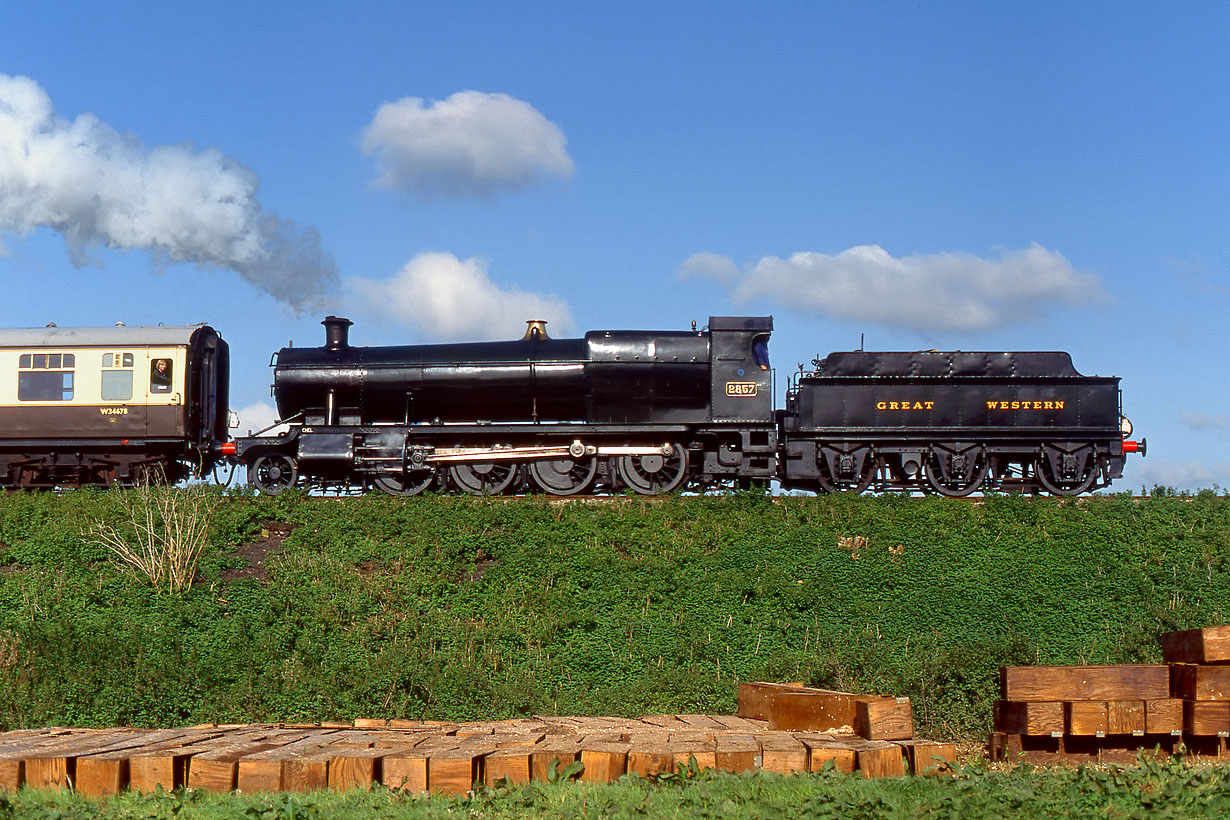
pixel 464 608
pixel 1154 790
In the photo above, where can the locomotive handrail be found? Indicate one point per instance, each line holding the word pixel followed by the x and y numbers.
pixel 277 423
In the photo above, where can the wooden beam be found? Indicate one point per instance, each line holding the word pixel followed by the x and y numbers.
pixel 1210 644
pixel 824 751
pixel 736 753
pixel 1086 717
pixel 878 758
pixel 561 750
pixel 783 753
pixel 455 771
pixel 1073 683
pixel 1199 681
pixel 1206 717
pixel 511 763
pixel 1164 716
pixel 1125 717
pixel 604 761
pixel 1017 717
pixel 928 757
pixel 650 758
pixel 756 698
pixel 884 719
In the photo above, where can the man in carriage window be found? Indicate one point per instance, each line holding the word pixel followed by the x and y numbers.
pixel 160 376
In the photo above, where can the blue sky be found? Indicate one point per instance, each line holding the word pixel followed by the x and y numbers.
pixel 972 176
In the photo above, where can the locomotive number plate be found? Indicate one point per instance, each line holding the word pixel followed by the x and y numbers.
pixel 741 389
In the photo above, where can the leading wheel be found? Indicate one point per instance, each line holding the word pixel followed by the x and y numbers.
pixel 654 473
pixel 564 476
pixel 272 473
pixel 411 483
pixel 484 477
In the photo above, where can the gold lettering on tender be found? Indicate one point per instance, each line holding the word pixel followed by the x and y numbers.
pixel 1058 405
pixel 911 405
pixel 1048 405
pixel 992 405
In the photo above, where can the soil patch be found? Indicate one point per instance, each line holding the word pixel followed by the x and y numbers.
pixel 255 553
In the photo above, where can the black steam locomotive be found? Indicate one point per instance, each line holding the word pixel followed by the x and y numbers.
pixel 658 411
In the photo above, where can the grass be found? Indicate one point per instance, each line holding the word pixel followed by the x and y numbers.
pixel 1168 789
pixel 465 608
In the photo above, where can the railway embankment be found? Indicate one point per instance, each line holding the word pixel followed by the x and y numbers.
pixel 313 609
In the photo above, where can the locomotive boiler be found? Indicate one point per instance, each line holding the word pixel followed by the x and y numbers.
pixel 648 411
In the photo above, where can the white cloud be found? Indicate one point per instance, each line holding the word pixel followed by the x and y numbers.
pixel 98 187
pixel 471 144
pixel 1201 421
pixel 925 292
pixel 711 266
pixel 257 416
pixel 447 298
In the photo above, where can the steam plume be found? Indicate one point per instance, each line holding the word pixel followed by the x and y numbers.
pixel 98 187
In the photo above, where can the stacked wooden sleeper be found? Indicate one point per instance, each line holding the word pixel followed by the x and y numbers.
pixel 1115 712
pixel 872 734
pixel 449 758
pixel 1200 675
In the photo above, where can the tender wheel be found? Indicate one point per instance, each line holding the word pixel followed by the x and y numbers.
pixel 564 476
pixel 272 473
pixel 484 477
pixel 956 475
pixel 1066 472
pixel 851 472
pixel 411 483
pixel 654 474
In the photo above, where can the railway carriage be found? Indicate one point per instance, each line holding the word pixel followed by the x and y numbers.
pixel 105 405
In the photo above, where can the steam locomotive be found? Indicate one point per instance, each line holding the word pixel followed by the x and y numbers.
pixel 658 411
pixel 649 412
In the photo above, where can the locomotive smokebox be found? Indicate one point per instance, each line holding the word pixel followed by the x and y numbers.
pixel 337 332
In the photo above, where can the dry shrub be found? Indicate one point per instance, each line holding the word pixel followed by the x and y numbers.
pixel 161 533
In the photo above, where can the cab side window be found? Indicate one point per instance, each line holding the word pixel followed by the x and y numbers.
pixel 760 352
pixel 45 376
pixel 117 376
pixel 161 375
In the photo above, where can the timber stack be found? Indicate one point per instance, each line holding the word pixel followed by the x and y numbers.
pixel 807 730
pixel 1113 713
pixel 872 734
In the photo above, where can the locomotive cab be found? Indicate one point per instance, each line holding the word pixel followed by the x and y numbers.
pixel 741 377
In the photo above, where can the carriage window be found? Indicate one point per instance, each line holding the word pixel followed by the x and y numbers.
pixel 45 376
pixel 117 376
pixel 160 376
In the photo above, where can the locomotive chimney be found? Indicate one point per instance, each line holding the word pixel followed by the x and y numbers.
pixel 537 330
pixel 337 332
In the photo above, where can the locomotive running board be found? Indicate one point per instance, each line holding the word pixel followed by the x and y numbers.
pixel 577 449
